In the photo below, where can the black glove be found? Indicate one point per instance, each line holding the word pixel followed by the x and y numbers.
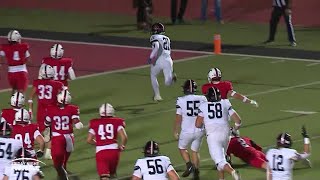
pixel 39 154
pixel 304 132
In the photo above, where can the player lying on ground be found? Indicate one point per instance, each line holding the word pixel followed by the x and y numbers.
pixel 225 87
pixel 103 133
pixel 247 150
pixel 214 116
pixel 281 159
pixel 190 136
pixel 153 165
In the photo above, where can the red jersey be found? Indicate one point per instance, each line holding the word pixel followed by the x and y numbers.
pixel 47 91
pixel 223 86
pixel 9 115
pixel 16 54
pixel 27 133
pixel 243 148
pixel 61 67
pixel 62 118
pixel 106 129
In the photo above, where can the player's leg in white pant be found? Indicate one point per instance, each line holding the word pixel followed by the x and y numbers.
pixel 195 155
pixel 154 71
pixel 184 140
pixel 168 73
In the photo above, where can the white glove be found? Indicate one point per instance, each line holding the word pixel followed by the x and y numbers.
pixel 79 125
pixel 254 103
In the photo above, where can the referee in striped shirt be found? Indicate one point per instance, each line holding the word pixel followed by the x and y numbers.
pixel 281 8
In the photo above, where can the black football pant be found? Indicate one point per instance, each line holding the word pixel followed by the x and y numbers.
pixel 182 9
pixel 275 17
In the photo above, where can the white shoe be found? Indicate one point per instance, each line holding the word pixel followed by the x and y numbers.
pixel 47 155
pixel 236 175
pixel 157 98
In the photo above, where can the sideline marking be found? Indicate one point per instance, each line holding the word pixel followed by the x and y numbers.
pixel 177 50
pixel 312 64
pixel 300 112
pixel 278 61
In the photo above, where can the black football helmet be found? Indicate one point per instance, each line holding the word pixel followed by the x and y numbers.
pixel 151 149
pixel 189 86
pixel 213 95
pixel 284 140
pixel 157 28
pixel 5 130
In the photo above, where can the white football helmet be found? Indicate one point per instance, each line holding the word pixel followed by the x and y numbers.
pixel 22 116
pixel 64 97
pixel 56 51
pixel 214 75
pixel 17 100
pixel 14 36
pixel 106 109
pixel 46 72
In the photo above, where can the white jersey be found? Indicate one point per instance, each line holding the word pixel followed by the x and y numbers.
pixel 164 50
pixel 8 149
pixel 281 162
pixel 153 168
pixel 215 114
pixel 187 106
pixel 21 172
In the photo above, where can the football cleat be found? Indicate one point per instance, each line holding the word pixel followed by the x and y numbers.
pixel 196 174
pixel 189 170
pixel 56 51
pixel 157 98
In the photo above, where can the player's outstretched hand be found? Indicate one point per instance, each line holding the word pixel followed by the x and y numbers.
pixel 254 103
pixel 304 132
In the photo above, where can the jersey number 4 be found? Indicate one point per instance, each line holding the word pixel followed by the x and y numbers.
pixel 5 150
pixel 154 166
pixel 61 73
pixel 214 111
pixel 277 163
pixel 26 139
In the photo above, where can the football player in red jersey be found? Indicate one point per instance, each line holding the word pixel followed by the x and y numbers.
pixel 225 87
pixel 61 65
pixel 103 133
pixel 16 102
pixel 46 89
pixel 247 150
pixel 17 56
pixel 61 118
pixel 27 132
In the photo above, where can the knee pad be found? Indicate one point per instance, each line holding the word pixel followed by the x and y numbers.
pixel 220 165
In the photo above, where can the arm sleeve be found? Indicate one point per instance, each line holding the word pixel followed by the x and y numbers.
pixel 155 48
pixel 178 107
pixel 137 170
pixel 71 73
pixel 169 165
pixel 36 134
pixel 76 113
pixel 27 54
pixel 2 53
pixel 299 156
pixel 91 131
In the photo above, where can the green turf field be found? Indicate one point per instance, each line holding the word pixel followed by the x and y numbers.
pixel 121 25
pixel 277 85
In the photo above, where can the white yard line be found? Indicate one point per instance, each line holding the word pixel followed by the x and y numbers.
pixel 209 159
pixel 278 61
pixel 312 64
pixel 300 112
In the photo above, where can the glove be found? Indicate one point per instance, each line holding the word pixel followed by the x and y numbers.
pixel 254 103
pixel 304 132
pixel 39 154
pixel 79 125
pixel 149 61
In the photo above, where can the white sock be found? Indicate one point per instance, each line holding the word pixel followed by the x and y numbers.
pixel 48 151
pixel 234 174
pixel 155 85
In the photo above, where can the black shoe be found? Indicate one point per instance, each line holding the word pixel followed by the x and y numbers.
pixel 196 174
pixel 293 44
pixel 188 171
pixel 268 41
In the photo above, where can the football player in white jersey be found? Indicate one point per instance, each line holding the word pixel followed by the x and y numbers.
pixel 186 114
pixel 8 147
pixel 214 115
pixel 281 159
pixel 23 167
pixel 154 166
pixel 160 59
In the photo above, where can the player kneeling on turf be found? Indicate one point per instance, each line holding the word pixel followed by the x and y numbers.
pixel 153 165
